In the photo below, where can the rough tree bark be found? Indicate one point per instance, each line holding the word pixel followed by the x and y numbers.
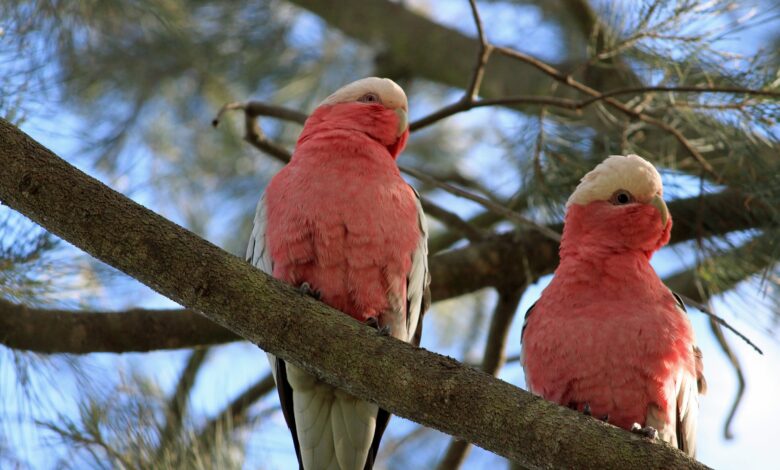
pixel 430 389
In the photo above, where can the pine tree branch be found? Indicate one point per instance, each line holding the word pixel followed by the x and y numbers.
pixel 410 382
pixel 400 31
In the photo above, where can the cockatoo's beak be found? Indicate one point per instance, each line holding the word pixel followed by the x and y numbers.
pixel 661 206
pixel 403 120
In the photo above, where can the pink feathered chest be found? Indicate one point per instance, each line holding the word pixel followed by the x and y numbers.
pixel 615 343
pixel 346 226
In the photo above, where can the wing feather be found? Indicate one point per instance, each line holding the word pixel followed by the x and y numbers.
pixel 418 281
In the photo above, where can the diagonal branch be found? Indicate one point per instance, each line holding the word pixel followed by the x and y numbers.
pixel 410 382
pixel 483 56
pixel 492 360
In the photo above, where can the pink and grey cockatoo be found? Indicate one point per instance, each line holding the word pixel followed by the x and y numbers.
pixel 340 222
pixel 607 337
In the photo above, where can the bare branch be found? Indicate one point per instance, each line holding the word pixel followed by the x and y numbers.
pixel 729 352
pixel 451 220
pixel 65 331
pixel 482 57
pixel 679 89
pixel 486 203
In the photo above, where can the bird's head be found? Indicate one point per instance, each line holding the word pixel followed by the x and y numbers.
pixel 376 107
pixel 618 206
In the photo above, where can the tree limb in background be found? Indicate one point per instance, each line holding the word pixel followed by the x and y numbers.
pixel 410 382
pixel 51 331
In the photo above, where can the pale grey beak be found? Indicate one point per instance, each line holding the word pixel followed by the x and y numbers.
pixel 403 120
pixel 661 206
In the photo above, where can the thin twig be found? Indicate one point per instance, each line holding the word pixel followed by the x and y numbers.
pixel 571 82
pixel 462 106
pixel 452 220
pixel 482 57
pixel 680 89
pixel 486 203
pixel 703 309
pixel 253 133
pixel 259 108
pixel 717 331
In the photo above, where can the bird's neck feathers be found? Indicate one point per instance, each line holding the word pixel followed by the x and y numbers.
pixel 360 125
pixel 599 231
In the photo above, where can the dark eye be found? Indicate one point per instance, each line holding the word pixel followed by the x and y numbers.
pixel 369 98
pixel 620 197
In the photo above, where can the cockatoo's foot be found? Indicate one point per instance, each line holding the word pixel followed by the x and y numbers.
pixel 586 409
pixel 647 431
pixel 605 418
pixel 374 323
pixel 306 289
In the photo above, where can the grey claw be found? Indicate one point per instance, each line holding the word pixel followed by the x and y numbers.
pixel 647 431
pixel 374 323
pixel 306 289
pixel 605 418
pixel 586 409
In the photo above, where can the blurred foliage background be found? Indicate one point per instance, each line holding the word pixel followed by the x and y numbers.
pixel 127 90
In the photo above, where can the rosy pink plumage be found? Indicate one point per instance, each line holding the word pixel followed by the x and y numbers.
pixel 607 332
pixel 340 216
pixel 340 219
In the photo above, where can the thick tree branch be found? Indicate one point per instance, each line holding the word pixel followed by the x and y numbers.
pixel 492 360
pixel 428 388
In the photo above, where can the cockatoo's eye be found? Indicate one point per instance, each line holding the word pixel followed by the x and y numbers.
pixel 621 197
pixel 369 98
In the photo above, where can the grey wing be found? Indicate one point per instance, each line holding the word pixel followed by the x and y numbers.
pixel 258 254
pixel 522 350
pixel 256 251
pixel 418 281
pixel 689 387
